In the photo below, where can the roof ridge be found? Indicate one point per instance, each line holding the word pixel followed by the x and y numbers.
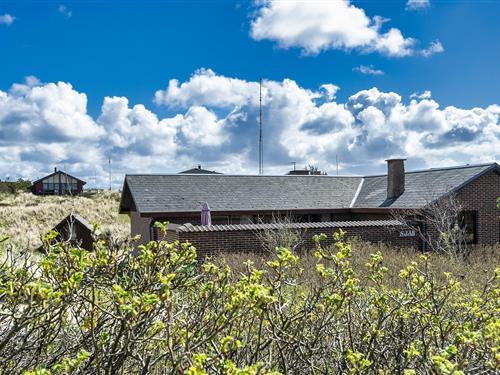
pixel 465 166
pixel 309 176
pixel 239 175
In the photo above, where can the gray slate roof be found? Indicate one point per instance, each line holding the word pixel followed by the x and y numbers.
pixel 150 194
pixel 186 193
pixel 421 187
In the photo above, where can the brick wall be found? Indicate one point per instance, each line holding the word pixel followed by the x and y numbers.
pixel 480 196
pixel 248 241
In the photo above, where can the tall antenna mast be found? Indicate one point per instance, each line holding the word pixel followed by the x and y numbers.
pixel 261 146
pixel 109 167
pixel 337 162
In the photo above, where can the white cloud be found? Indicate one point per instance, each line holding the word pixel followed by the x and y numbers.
pixel 136 129
pixel 425 95
pixel 417 4
pixel 368 70
pixel 206 87
pixel 330 90
pixel 63 9
pixel 48 111
pixel 434 47
pixel 371 125
pixel 201 127
pixel 214 122
pixel 7 19
pixel 316 26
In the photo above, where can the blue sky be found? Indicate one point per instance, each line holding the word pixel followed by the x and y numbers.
pixel 82 52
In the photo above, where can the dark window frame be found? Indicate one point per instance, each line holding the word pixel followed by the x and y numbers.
pixel 472 218
pixel 216 219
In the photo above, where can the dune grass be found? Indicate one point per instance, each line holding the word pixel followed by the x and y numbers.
pixel 25 217
pixel 472 273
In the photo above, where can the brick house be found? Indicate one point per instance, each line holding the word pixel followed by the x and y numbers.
pixel 57 183
pixel 239 202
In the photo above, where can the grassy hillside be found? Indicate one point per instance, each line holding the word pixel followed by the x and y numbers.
pixel 25 217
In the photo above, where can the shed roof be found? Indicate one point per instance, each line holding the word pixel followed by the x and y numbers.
pixel 184 193
pixel 75 218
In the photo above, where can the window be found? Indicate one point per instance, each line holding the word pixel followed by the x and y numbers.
pixel 315 218
pixel 220 220
pixel 468 222
pixel 245 219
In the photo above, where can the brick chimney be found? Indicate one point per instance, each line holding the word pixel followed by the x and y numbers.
pixel 395 177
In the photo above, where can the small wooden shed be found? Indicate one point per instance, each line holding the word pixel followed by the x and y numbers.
pixel 76 230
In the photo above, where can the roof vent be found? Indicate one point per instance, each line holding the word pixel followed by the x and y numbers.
pixel 395 177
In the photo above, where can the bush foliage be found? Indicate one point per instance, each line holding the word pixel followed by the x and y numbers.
pixel 156 310
pixel 14 187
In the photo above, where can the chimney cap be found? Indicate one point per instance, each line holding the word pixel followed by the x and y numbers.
pixel 395 159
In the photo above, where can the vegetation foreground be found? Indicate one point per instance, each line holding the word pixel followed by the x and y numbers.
pixel 158 311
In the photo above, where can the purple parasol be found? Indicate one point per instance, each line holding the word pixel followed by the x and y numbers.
pixel 206 218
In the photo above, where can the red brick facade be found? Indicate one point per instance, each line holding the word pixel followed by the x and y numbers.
pixel 480 196
pixel 248 241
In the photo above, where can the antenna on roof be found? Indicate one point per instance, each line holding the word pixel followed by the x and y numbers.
pixel 294 164
pixel 109 168
pixel 261 146
pixel 337 162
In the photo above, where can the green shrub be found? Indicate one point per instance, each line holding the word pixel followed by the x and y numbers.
pixel 156 311
pixel 14 187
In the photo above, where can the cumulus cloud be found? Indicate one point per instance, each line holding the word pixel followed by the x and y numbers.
pixel 368 70
pixel 214 121
pixel 425 95
pixel 311 126
pixel 47 124
pixel 434 47
pixel 319 26
pixel 208 88
pixel 7 19
pixel 49 111
pixel 201 127
pixel 417 4
pixel 330 90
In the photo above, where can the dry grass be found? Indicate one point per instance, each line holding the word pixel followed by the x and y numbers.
pixel 25 217
pixel 473 273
